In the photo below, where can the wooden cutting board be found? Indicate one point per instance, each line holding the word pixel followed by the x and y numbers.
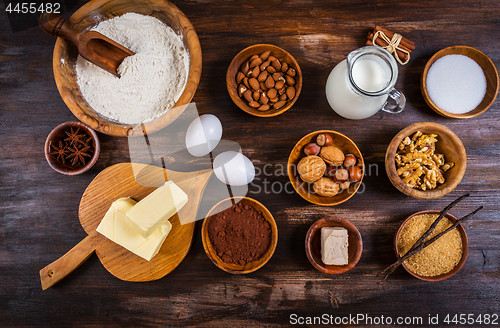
pixel 119 181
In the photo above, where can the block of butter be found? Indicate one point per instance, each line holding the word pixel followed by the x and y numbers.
pixel 115 227
pixel 156 208
pixel 334 246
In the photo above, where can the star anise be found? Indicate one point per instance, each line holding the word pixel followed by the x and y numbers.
pixel 78 155
pixel 74 138
pixel 59 152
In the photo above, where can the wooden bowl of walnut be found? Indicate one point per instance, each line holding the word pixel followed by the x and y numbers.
pixel 91 14
pixel 308 190
pixel 414 179
pixel 284 58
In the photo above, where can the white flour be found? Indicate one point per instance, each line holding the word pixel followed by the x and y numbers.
pixel 151 81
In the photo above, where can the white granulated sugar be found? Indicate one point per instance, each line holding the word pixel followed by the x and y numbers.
pixel 456 84
pixel 151 81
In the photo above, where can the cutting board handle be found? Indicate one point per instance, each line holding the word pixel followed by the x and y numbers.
pixel 63 266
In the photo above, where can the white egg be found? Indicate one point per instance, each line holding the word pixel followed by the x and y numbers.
pixel 234 168
pixel 203 135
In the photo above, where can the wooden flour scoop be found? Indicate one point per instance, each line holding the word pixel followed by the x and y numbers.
pixel 93 46
pixel 119 181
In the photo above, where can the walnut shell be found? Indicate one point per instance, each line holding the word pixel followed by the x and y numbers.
pixel 332 155
pixel 311 168
pixel 326 187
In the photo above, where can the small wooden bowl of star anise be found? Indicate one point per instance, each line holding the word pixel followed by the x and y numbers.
pixel 72 148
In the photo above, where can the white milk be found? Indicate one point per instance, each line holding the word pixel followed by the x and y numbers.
pixel 369 75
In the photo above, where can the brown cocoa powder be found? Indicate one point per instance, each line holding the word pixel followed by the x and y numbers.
pixel 239 234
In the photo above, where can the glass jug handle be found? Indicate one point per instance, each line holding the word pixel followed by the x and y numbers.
pixel 395 102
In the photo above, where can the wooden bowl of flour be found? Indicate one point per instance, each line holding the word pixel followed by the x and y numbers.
pixel 91 14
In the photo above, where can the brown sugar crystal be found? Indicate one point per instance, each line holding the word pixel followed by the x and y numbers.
pixel 239 234
pixel 439 257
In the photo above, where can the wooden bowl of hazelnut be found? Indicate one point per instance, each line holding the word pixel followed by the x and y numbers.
pixel 425 160
pixel 326 168
pixel 264 80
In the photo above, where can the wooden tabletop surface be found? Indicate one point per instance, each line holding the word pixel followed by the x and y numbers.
pixel 39 207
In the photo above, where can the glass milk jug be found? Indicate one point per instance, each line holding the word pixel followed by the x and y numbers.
pixel 362 84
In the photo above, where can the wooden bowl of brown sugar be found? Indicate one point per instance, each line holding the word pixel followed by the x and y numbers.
pixel 239 235
pixel 441 259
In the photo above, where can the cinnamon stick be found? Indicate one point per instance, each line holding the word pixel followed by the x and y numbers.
pixel 404 41
pixel 382 43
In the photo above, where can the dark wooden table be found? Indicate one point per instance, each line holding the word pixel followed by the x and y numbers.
pixel 39 207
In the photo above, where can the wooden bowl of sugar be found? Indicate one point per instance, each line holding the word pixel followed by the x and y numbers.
pixel 459 82
pixel 90 15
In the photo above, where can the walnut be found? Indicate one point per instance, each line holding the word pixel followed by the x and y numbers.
pixel 417 164
pixel 332 155
pixel 326 187
pixel 311 168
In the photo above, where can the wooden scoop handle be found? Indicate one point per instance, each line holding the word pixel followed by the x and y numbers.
pixel 60 268
pixel 55 25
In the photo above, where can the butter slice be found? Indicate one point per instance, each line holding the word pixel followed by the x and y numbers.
pixel 115 227
pixel 334 246
pixel 156 208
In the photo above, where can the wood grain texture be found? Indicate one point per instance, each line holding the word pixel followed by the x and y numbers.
pixel 305 189
pixel 134 181
pixel 237 268
pixel 448 144
pixel 39 207
pixel 91 14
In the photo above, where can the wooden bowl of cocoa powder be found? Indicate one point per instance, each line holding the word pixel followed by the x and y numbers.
pixel 239 235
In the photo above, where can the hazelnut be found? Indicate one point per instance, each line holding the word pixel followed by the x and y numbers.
pixel 326 187
pixel 312 149
pixel 332 155
pixel 350 160
pixel 355 173
pixel 324 139
pixel 330 171
pixel 311 168
pixel 345 185
pixel 341 175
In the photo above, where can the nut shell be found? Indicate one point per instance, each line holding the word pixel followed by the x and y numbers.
pixel 323 139
pixel 326 187
pixel 332 155
pixel 355 173
pixel 311 168
pixel 350 160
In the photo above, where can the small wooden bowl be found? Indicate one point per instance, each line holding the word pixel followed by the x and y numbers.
pixel 243 56
pixel 448 144
pixel 57 134
pixel 465 248
pixel 303 188
pixel 489 70
pixel 313 245
pixel 236 268
pixel 91 14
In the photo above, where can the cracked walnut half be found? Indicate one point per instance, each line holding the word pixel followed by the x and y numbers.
pixel 417 163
